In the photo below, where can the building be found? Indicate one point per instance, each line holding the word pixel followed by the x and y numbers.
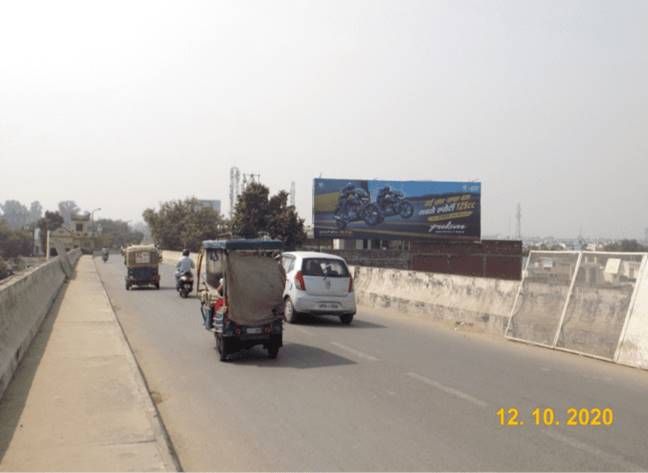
pixel 213 204
pixel 78 234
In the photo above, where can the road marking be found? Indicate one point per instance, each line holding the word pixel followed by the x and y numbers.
pixel 448 389
pixel 355 352
pixel 608 457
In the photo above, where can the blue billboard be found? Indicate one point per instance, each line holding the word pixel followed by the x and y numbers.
pixel 396 210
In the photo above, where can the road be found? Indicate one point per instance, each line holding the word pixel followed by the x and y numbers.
pixel 387 393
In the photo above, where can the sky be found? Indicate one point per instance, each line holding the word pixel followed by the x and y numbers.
pixel 125 104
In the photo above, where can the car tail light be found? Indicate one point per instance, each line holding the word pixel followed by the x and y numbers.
pixel 299 281
pixel 268 329
pixel 350 284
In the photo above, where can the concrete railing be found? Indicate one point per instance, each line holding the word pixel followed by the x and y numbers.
pixel 483 303
pixel 24 303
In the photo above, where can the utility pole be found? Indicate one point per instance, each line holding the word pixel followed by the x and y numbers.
pixel 292 193
pixel 518 218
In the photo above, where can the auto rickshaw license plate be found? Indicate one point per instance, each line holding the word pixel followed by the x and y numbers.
pixel 253 331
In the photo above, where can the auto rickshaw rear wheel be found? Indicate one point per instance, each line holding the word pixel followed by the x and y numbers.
pixel 273 350
pixel 222 347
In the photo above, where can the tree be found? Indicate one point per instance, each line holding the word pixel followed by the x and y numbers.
pixel 117 233
pixel 183 224
pixel 67 208
pixel 50 222
pixel 14 243
pixel 35 212
pixel 251 211
pixel 625 246
pixel 284 223
pixel 15 214
pixel 255 213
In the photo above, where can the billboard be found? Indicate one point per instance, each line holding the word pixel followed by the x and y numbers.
pixel 396 210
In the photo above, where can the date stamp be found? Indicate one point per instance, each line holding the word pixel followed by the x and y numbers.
pixel 547 416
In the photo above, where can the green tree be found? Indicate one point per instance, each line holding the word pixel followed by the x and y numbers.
pixel 256 213
pixel 50 222
pixel 625 246
pixel 15 214
pixel 183 224
pixel 117 233
pixel 251 211
pixel 284 223
pixel 14 243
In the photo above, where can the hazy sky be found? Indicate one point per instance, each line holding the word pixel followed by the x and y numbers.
pixel 121 105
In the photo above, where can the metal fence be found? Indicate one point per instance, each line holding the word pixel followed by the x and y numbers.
pixel 576 301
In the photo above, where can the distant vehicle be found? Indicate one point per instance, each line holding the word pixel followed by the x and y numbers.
pixel 317 284
pixel 142 266
pixel 184 285
pixel 241 293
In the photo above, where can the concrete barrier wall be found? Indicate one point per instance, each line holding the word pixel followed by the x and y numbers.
pixel 24 303
pixel 633 348
pixel 172 257
pixel 483 303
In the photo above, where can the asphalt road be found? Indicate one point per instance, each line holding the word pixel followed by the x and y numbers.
pixel 387 393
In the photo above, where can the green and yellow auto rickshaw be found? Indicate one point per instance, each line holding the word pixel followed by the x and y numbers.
pixel 142 266
pixel 241 294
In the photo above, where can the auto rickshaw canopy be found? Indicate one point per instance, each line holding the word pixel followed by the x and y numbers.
pixel 142 255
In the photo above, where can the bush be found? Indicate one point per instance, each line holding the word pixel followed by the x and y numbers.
pixel 5 270
pixel 14 242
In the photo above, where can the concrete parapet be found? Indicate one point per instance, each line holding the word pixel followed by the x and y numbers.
pixel 24 302
pixel 482 303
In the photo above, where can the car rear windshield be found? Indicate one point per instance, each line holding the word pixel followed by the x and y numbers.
pixel 332 268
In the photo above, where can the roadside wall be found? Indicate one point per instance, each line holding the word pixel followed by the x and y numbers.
pixel 172 257
pixel 24 303
pixel 482 303
pixel 633 349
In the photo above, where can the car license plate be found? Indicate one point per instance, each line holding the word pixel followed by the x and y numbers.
pixel 328 306
pixel 254 331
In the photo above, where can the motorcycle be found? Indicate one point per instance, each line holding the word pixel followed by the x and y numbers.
pixel 104 257
pixel 356 206
pixel 395 204
pixel 185 284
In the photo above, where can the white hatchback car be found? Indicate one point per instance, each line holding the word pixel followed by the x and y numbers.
pixel 318 284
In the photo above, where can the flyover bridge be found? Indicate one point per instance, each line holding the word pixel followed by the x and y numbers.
pixel 389 392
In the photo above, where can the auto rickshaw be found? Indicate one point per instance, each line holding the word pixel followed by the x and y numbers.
pixel 142 262
pixel 241 294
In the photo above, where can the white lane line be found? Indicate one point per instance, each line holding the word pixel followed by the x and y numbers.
pixel 355 352
pixel 448 389
pixel 608 457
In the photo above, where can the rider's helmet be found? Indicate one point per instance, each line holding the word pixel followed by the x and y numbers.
pixel 348 189
pixel 185 252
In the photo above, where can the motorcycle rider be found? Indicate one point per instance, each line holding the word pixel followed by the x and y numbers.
pixel 183 265
pixel 104 253
pixel 385 197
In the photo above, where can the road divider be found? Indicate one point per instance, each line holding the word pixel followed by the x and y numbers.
pixel 24 303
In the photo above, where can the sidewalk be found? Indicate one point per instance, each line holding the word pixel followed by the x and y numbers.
pixel 77 401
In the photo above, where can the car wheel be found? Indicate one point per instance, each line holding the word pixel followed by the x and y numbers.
pixel 292 316
pixel 127 287
pixel 346 319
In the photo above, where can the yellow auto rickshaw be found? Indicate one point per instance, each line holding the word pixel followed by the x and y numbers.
pixel 142 266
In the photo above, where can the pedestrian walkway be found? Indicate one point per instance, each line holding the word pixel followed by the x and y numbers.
pixel 77 401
